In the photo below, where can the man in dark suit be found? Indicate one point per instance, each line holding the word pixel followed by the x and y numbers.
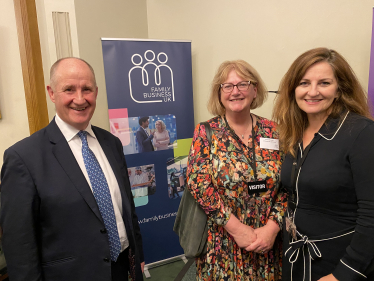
pixel 53 185
pixel 143 138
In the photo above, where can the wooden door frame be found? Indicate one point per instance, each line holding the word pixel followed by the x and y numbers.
pixel 32 66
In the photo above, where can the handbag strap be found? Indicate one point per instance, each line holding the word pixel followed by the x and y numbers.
pixel 208 131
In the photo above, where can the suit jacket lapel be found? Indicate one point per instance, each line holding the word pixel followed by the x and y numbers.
pixel 69 164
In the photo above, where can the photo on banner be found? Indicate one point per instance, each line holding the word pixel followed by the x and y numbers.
pixel 158 132
pixel 143 183
pixel 177 176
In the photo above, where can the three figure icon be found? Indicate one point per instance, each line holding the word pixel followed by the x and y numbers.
pixel 152 94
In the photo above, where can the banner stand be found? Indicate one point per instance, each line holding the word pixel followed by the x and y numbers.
pixel 162 262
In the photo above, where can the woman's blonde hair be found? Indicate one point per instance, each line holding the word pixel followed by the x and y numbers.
pixel 163 126
pixel 292 121
pixel 243 70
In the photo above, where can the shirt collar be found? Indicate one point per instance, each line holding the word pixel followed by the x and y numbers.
pixel 331 125
pixel 69 131
pixel 329 129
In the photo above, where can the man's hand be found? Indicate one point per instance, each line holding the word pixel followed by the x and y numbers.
pixel 265 238
pixel 329 277
pixel 142 266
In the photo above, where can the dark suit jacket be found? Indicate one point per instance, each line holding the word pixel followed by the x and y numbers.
pixel 144 141
pixel 52 227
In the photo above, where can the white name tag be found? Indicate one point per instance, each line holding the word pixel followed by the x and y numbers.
pixel 269 143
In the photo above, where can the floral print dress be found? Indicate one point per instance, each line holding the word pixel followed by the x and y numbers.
pixel 217 177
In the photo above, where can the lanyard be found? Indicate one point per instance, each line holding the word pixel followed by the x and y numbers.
pixel 253 162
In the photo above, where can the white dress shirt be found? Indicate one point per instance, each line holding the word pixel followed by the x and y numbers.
pixel 75 143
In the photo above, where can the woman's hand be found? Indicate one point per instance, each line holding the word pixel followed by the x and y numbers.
pixel 329 277
pixel 265 238
pixel 243 234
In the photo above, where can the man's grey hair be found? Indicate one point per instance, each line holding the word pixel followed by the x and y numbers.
pixel 52 73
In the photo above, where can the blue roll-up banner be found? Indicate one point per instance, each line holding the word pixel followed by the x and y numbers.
pixel 150 101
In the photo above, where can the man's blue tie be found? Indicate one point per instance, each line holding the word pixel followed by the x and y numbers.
pixel 102 195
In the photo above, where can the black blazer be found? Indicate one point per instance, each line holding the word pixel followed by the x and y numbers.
pixel 335 195
pixel 52 227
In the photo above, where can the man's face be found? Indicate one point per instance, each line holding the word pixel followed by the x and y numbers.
pixel 138 172
pixel 145 124
pixel 74 93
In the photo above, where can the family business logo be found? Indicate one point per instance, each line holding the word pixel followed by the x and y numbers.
pixel 151 81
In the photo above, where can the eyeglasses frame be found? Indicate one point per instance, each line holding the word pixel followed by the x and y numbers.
pixel 249 84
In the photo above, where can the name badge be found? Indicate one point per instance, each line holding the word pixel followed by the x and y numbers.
pixel 269 143
pixel 256 187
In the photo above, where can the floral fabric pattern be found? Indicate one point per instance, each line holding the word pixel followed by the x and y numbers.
pixel 218 177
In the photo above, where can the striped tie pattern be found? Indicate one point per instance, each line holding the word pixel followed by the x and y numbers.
pixel 102 195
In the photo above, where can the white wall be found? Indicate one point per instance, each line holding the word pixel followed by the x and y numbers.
pixel 89 21
pixel 47 40
pixel 268 34
pixel 107 19
pixel 14 123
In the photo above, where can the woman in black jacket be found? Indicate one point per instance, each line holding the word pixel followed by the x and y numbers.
pixel 328 134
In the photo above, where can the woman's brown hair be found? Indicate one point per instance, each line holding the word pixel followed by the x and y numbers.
pixel 292 121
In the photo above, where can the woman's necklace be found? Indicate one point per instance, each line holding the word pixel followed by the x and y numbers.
pixel 247 128
pixel 245 132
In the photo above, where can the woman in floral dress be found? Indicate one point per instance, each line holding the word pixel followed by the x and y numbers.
pixel 235 180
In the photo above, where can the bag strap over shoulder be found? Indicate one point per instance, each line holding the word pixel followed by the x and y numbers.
pixel 208 131
pixel 191 221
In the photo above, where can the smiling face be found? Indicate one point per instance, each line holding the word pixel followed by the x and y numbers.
pixel 317 91
pixel 237 101
pixel 73 92
pixel 158 126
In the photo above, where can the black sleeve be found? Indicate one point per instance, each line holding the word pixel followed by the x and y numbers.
pixel 19 219
pixel 358 261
